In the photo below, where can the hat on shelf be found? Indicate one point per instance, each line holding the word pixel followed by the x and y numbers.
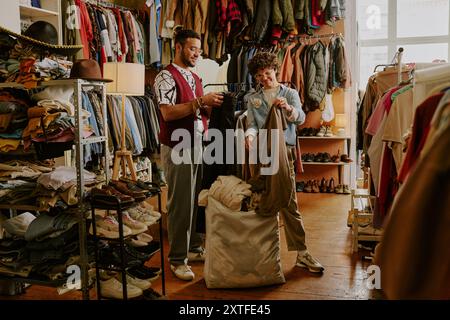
pixel 87 69
pixel 43 36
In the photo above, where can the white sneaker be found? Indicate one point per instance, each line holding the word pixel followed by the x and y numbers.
pixel 138 215
pixel 321 132
pixel 183 272
pixel 140 283
pixel 369 230
pixel 197 256
pixel 109 227
pixel 308 262
pixel 136 227
pixel 112 288
pixel 146 207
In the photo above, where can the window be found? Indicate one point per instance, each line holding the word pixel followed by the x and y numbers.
pixel 421 27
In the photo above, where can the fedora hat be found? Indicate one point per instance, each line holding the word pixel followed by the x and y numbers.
pixel 87 69
pixel 43 36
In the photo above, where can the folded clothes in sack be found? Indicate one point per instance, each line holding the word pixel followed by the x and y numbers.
pixel 243 248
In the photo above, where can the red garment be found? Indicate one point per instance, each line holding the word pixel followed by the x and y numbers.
pixel 388 187
pixel 86 33
pixel 221 6
pixel 317 15
pixel 121 33
pixel 421 127
pixel 276 34
pixel 184 94
pixel 233 12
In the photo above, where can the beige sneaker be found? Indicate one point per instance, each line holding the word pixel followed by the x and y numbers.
pixel 112 288
pixel 197 256
pixel 308 262
pixel 109 227
pixel 136 227
pixel 183 272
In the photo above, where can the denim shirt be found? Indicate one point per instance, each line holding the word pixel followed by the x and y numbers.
pixel 258 109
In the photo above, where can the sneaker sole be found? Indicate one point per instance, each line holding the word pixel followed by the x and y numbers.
pixel 302 265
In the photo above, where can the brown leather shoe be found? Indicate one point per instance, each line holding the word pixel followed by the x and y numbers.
pixel 123 188
pixel 102 195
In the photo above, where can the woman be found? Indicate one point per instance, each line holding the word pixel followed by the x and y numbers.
pixel 264 68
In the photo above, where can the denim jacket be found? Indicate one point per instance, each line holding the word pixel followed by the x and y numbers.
pixel 258 109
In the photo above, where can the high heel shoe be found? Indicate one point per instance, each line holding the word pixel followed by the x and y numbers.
pixel 331 186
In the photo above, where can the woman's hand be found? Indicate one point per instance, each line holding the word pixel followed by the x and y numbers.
pixel 282 104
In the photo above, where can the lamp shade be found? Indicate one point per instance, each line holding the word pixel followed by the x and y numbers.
pixel 128 78
pixel 340 120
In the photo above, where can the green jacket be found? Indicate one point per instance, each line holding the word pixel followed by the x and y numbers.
pixel 283 15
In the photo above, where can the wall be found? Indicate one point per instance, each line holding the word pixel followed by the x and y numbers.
pixel 10 16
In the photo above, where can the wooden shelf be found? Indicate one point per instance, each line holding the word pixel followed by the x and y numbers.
pixel 322 138
pixel 49 83
pixel 23 207
pixel 325 163
pixel 34 12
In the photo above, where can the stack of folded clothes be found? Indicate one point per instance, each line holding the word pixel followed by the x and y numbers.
pixel 18 181
pixel 40 247
pixel 13 120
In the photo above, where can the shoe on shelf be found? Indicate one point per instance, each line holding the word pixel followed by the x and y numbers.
pixel 300 186
pixel 197 255
pixel 140 283
pixel 144 273
pixel 136 227
pixel 113 288
pixel 183 272
pixel 308 187
pixel 148 208
pixel 151 294
pixel 346 189
pixel 326 157
pixel 323 185
pixel 339 189
pixel 321 132
pixel 108 227
pixel 328 132
pixel 141 216
pixel 345 158
pixel 331 188
pixel 315 186
pixel 308 262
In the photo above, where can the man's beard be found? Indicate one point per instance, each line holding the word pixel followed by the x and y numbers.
pixel 187 62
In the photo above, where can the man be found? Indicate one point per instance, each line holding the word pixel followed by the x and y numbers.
pixel 264 67
pixel 183 106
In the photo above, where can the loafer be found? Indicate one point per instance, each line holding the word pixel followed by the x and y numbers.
pixel 109 196
pixel 123 188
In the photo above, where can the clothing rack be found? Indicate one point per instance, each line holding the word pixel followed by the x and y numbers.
pixel 398 55
pixel 106 4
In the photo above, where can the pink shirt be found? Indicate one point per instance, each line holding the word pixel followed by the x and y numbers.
pixel 383 106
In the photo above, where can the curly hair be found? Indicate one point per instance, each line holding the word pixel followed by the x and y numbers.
pixel 263 60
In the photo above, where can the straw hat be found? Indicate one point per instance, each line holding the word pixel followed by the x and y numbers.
pixel 43 36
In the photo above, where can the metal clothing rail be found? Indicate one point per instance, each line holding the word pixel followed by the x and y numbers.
pixel 106 4
pixel 242 85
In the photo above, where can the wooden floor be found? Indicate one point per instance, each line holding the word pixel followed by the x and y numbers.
pixel 328 239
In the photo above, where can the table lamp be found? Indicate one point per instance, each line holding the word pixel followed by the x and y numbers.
pixel 128 80
pixel 340 122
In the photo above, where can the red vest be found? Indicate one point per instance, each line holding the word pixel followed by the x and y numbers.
pixel 184 94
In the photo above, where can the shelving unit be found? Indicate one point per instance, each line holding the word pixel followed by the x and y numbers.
pixel 121 241
pixel 50 11
pixel 324 140
pixel 79 142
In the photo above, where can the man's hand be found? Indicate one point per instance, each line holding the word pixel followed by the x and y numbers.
pixel 282 104
pixel 212 99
